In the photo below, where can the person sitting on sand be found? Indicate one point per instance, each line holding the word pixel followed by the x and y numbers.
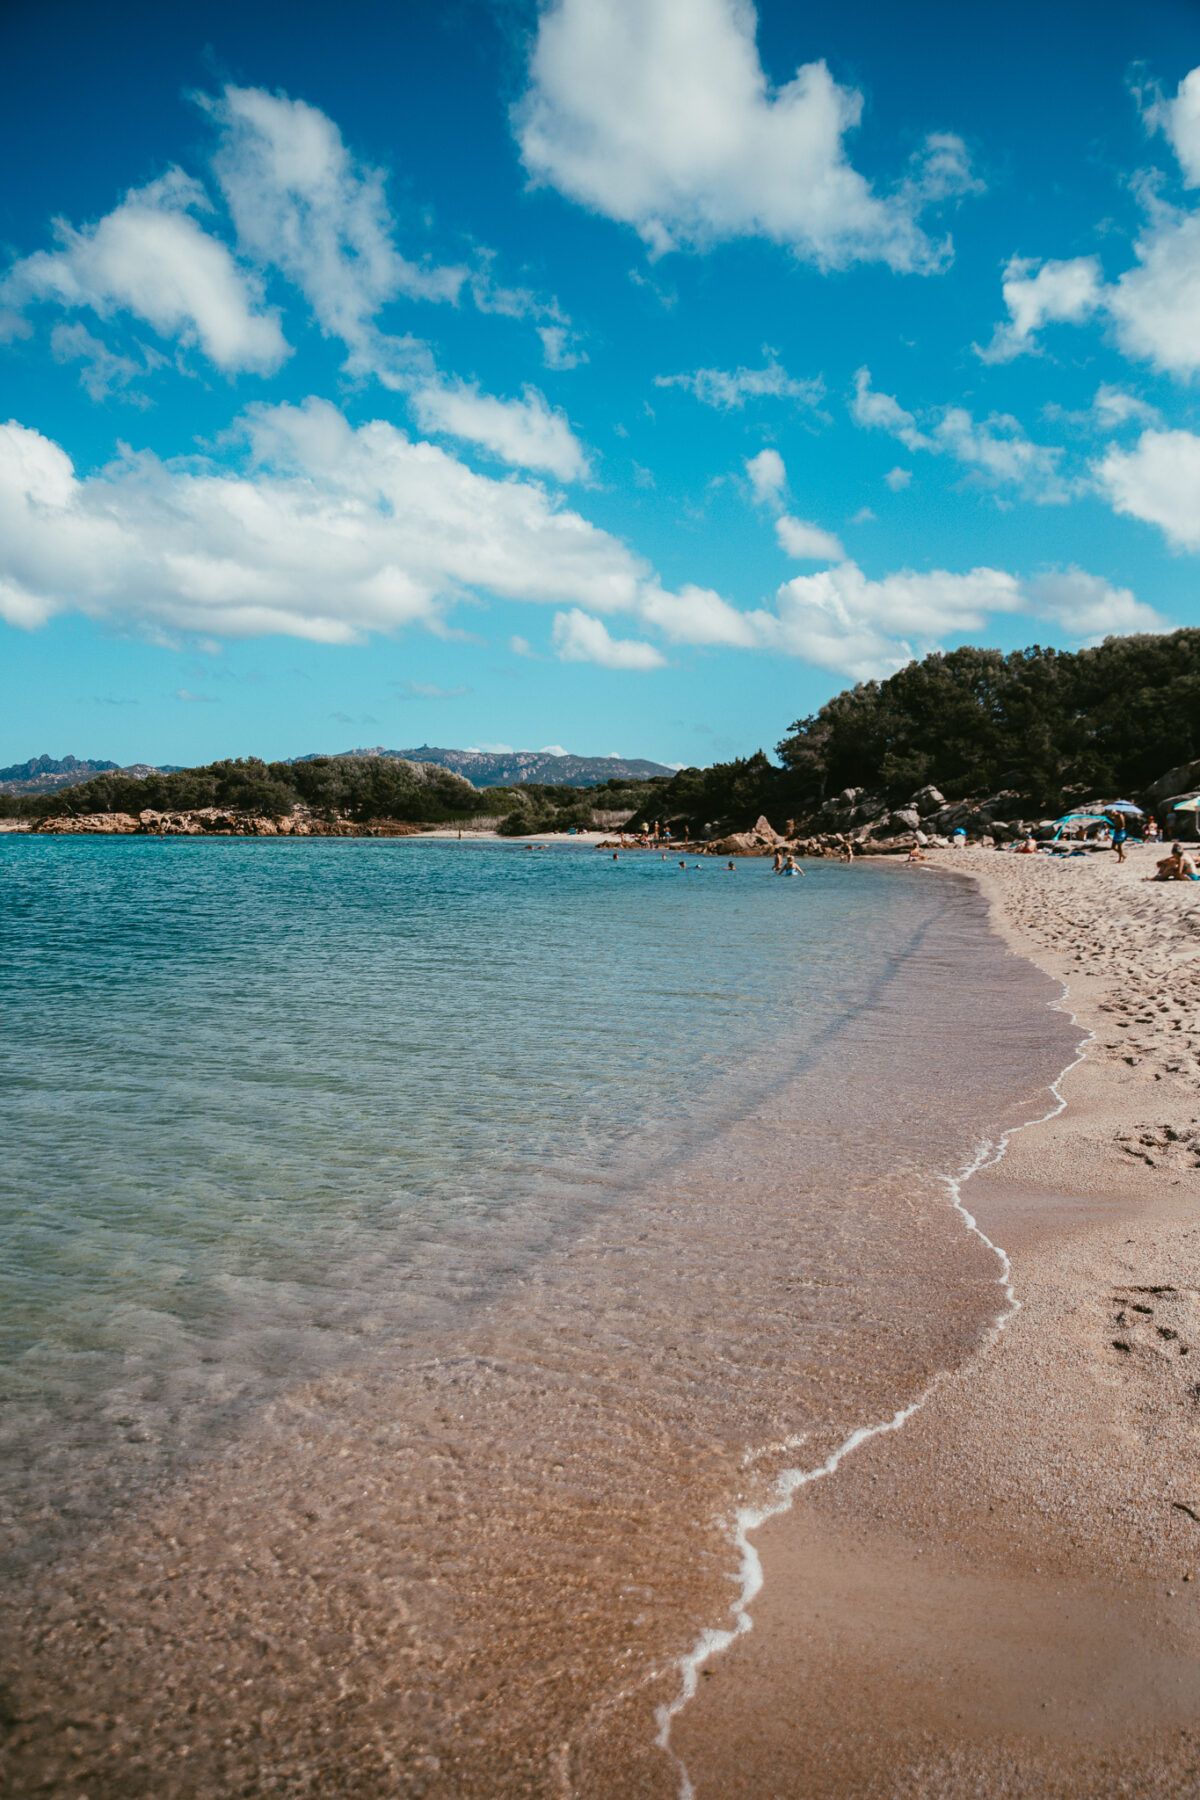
pixel 915 853
pixel 1028 848
pixel 1176 867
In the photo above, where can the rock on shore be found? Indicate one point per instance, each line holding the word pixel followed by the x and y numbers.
pixel 212 821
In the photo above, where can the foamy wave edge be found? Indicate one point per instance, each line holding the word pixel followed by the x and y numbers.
pixel 788 1484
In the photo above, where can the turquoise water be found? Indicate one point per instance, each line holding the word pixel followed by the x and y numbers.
pixel 270 1104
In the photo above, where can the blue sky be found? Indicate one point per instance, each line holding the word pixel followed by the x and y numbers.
pixel 624 375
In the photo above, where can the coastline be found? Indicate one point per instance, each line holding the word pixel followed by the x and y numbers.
pixel 1003 1598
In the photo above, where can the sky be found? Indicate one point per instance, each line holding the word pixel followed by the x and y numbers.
pixel 622 376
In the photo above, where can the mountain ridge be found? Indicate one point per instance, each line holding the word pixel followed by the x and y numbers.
pixel 505 768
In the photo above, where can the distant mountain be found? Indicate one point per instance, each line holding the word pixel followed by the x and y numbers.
pixel 486 768
pixel 46 775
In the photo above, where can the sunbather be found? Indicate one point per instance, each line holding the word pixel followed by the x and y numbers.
pixel 1176 867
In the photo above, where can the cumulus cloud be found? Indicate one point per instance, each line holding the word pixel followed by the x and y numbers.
pixel 1089 607
pixel 898 479
pixel 325 532
pixel 328 532
pixel 1159 481
pixel 842 620
pixel 658 114
pixel 526 433
pixel 578 637
pixel 799 538
pixel 1179 120
pixel 1037 295
pixel 807 542
pixel 1153 307
pixel 301 203
pixel 699 616
pixel 727 389
pixel 150 258
pixel 768 477
pixel 883 412
pixel 996 449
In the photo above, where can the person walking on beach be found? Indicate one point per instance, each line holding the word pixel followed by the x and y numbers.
pixel 1118 840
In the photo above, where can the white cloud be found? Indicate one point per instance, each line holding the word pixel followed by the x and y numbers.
pixel 301 203
pixel 698 616
pixel 526 433
pixel 151 259
pixel 1113 407
pixel 842 620
pixel 883 412
pixel 326 533
pixel 658 113
pixel 521 646
pixel 578 637
pixel 1155 306
pixel 807 543
pixel 1089 607
pixel 558 347
pixel 768 477
pixel 726 389
pixel 797 537
pixel 1179 119
pixel 104 371
pixel 554 750
pixel 996 449
pixel 1069 292
pixel 898 479
pixel 1159 481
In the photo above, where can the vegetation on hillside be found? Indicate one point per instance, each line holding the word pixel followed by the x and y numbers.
pixel 352 787
pixel 1050 727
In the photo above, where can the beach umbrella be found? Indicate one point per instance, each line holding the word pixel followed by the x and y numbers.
pixel 1125 806
pixel 1192 805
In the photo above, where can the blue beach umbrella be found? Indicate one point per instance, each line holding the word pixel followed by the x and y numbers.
pixel 1125 806
pixel 1192 805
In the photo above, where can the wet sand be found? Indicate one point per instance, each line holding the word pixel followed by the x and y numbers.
pixel 1003 1599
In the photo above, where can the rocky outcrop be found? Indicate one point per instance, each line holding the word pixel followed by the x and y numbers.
pixel 1174 785
pixel 212 821
pixel 88 824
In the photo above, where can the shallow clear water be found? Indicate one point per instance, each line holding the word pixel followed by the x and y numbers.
pixel 267 1100
pixel 416 1254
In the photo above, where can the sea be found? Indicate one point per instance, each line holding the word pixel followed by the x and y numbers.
pixel 416 1255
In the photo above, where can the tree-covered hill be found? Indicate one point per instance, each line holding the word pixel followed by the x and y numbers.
pixel 1049 728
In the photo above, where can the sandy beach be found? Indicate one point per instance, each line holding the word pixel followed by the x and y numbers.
pixel 1004 1598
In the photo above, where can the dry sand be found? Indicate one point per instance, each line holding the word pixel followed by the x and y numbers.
pixel 1004 1598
